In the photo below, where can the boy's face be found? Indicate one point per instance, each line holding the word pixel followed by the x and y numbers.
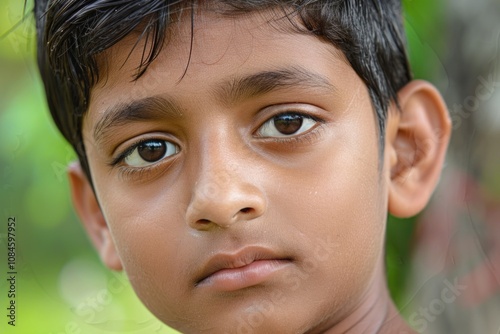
pixel 264 156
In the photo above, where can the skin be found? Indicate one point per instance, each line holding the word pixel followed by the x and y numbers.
pixel 317 199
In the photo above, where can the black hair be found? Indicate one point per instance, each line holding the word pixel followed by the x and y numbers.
pixel 71 34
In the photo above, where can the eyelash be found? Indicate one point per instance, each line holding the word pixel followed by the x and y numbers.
pixel 136 172
pixel 129 151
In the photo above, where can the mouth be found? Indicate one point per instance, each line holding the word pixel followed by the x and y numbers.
pixel 247 267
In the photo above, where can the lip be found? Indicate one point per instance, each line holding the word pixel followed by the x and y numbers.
pixel 247 267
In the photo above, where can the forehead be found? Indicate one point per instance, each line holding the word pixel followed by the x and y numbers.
pixel 208 48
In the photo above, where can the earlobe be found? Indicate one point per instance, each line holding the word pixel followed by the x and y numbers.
pixel 417 137
pixel 89 211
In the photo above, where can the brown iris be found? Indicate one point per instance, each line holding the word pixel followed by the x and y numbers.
pixel 288 124
pixel 152 151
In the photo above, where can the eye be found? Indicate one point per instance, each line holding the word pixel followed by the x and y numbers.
pixel 149 152
pixel 284 125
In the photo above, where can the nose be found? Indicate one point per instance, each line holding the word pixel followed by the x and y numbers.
pixel 224 194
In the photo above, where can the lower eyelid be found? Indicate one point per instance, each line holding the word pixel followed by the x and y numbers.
pixel 147 173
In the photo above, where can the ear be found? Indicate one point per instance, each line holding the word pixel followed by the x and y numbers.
pixel 89 211
pixel 417 137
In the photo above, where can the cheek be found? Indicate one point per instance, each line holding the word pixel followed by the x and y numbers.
pixel 340 203
pixel 151 244
pixel 337 200
pixel 359 200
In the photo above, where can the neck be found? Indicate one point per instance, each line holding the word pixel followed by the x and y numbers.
pixel 374 314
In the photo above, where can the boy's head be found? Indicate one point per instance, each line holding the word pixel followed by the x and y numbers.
pixel 231 154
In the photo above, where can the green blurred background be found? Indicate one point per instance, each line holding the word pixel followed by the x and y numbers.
pixel 62 286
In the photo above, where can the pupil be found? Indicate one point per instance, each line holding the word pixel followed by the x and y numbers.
pixel 288 124
pixel 152 151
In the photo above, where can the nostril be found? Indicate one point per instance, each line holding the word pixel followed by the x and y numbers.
pixel 246 210
pixel 204 221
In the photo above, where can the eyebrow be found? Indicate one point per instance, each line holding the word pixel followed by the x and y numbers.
pixel 266 81
pixel 228 92
pixel 147 109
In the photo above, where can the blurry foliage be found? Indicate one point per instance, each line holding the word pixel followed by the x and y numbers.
pixel 34 189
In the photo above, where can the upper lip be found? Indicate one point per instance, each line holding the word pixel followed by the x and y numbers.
pixel 238 259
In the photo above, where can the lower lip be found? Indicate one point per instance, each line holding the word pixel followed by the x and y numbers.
pixel 255 273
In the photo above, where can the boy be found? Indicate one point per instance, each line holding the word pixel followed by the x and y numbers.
pixel 238 158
